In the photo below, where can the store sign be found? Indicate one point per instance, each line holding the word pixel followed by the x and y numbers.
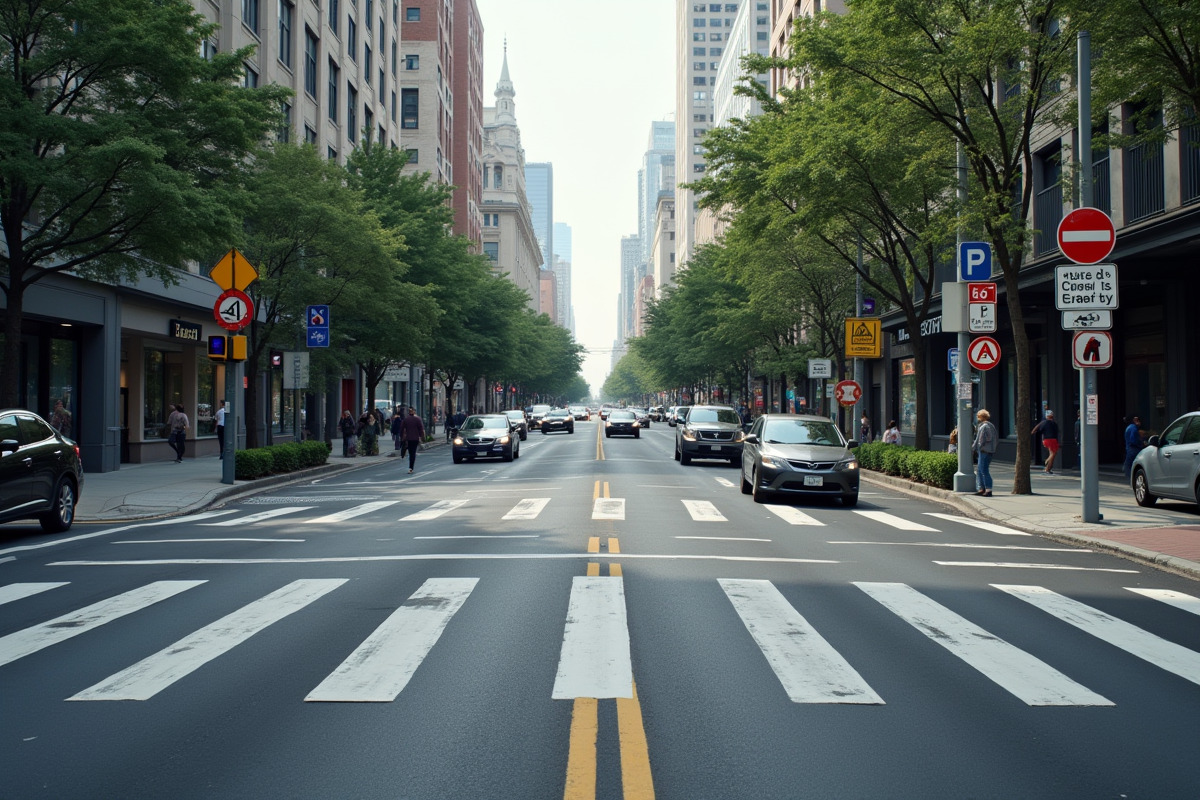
pixel 178 329
pixel 928 328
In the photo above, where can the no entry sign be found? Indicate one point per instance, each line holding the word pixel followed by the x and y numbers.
pixel 1086 235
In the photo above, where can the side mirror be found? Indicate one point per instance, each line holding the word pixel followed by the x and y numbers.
pixel 853 443
pixel 751 438
pixel 1152 441
pixel 9 446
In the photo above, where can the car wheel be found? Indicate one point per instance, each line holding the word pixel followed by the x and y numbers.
pixel 607 435
pixel 850 500
pixel 746 487
pixel 508 455
pixel 516 451
pixel 684 458
pixel 571 429
pixel 676 451
pixel 760 494
pixel 637 434
pixel 457 459
pixel 544 431
pixel 62 509
pixel 1141 489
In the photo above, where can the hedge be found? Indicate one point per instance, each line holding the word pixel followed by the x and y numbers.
pixel 925 466
pixel 278 458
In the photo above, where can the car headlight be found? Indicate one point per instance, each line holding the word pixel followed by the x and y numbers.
pixel 504 439
pixel 458 440
pixel 637 424
pixel 774 462
pixel 688 434
pixel 607 423
pixel 847 463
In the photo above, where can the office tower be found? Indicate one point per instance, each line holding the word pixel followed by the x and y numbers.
pixel 539 188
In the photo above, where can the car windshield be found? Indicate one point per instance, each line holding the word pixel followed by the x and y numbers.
pixel 714 415
pixel 517 415
pixel 479 423
pixel 557 413
pixel 626 415
pixel 541 409
pixel 801 431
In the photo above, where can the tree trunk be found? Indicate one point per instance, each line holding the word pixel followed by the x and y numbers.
pixel 10 367
pixel 251 410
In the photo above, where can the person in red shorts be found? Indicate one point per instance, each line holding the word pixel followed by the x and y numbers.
pixel 1049 430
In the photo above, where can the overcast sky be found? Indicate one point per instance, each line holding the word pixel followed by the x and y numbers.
pixel 589 79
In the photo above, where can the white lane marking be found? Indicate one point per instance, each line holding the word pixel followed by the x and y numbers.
pixel 528 508
pixel 1019 565
pixel 379 668
pixel 725 482
pixel 518 489
pixel 703 511
pixel 966 546
pixel 351 513
pixel 18 591
pixel 977 523
pixel 595 660
pixel 810 670
pixel 436 510
pixel 485 536
pixel 120 529
pixel 894 521
pixel 158 562
pixel 793 516
pixel 154 673
pixel 204 541
pixel 30 640
pixel 609 508
pixel 1029 679
pixel 723 538
pixel 259 517
pixel 1145 645
pixel 1177 599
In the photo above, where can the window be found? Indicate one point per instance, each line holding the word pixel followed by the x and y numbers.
pixel 714 23
pixel 334 74
pixel 410 100
pixel 412 15
pixel 412 62
pixel 393 58
pixel 333 16
pixel 396 12
pixel 413 155
pixel 715 52
pixel 382 92
pixel 351 112
pixel 368 120
pixel 310 62
pixel 331 154
pixel 700 81
pixel 699 66
pixel 393 106
pixel 698 23
pixel 698 37
pixel 370 12
pixel 367 63
pixel 498 176
pixel 492 250
pixel 310 136
pixel 284 134
pixel 352 38
pixel 699 96
pixel 286 10
pixel 697 51
pixel 250 15
pixel 249 77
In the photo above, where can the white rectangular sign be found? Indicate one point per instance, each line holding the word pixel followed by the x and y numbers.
pixel 820 368
pixel 394 373
pixel 295 369
pixel 1087 287
pixel 1094 319
pixel 982 317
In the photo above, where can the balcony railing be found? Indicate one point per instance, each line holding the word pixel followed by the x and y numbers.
pixel 1047 213
pixel 1144 194
pixel 1189 157
pixel 1102 184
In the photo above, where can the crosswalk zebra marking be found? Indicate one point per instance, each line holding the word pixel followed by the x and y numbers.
pixel 896 522
pixel 351 513
pixel 19 591
pixel 1029 679
pixel 725 482
pixel 259 517
pixel 436 510
pixel 810 670
pixel 595 660
pixel 977 523
pixel 529 508
pixel 1024 565
pixel 969 546
pixel 1145 645
pixel 612 508
pixel 1177 599
pixel 38 637
pixel 379 669
pixel 703 511
pixel 793 516
pixel 154 673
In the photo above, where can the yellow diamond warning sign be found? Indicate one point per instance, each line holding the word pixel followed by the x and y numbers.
pixel 864 337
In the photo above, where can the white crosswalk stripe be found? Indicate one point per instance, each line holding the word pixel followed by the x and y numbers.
pixel 528 508
pixel 595 660
pixel 252 518
pixel 793 516
pixel 19 591
pixel 1177 599
pixel 895 522
pixel 977 523
pixel 351 513
pixel 436 510
pixel 703 511
pixel 612 508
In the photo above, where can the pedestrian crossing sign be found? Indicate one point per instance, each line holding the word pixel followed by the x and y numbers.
pixel 864 337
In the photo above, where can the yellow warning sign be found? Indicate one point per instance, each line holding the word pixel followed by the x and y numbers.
pixel 864 337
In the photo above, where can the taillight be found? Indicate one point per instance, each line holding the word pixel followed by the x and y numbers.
pixel 77 451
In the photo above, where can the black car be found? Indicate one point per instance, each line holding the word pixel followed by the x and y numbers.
pixel 709 432
pixel 517 417
pixel 622 422
pixel 643 416
pixel 486 436
pixel 40 472
pixel 558 419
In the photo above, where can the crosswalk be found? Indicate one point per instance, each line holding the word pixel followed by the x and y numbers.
pixel 595 655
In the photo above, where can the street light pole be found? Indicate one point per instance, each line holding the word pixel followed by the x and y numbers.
pixel 964 478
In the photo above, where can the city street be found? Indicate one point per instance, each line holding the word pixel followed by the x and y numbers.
pixel 590 620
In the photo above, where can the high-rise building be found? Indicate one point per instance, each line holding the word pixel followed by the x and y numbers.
pixel 660 148
pixel 562 269
pixel 751 34
pixel 467 84
pixel 783 19
pixel 631 270
pixel 539 188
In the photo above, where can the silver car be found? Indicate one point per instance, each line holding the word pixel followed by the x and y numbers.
pixel 1169 465
pixel 799 455
pixel 709 432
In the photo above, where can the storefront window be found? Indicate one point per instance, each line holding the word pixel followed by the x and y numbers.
pixel 62 374
pixel 164 388
pixel 908 395
pixel 282 405
pixel 206 399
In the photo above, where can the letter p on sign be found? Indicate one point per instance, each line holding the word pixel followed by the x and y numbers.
pixel 974 261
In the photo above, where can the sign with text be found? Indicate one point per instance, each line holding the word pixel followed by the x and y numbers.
pixel 1098 319
pixel 981 292
pixel 864 337
pixel 1085 287
pixel 820 368
pixel 981 318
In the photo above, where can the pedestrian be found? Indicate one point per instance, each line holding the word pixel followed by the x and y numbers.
pixel 1134 442
pixel 413 430
pixel 178 424
pixel 744 415
pixel 396 430
pixel 60 419
pixel 369 434
pixel 864 428
pixel 986 439
pixel 1078 438
pixel 892 434
pixel 346 426
pixel 221 428
pixel 1049 430
pixel 953 441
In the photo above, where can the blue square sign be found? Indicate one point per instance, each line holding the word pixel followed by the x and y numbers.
pixel 318 337
pixel 318 316
pixel 974 261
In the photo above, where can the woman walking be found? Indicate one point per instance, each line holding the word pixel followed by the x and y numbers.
pixel 986 439
pixel 178 424
pixel 370 435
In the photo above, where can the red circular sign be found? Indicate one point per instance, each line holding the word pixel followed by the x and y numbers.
pixel 847 392
pixel 983 353
pixel 1086 236
pixel 233 310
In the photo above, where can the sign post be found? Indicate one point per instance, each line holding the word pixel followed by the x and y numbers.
pixel 233 311
pixel 1089 461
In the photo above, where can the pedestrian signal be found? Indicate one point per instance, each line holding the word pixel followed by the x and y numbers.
pixel 227 348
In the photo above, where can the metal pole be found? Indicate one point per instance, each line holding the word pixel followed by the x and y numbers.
pixel 1089 456
pixel 964 478
pixel 233 383
pixel 858 364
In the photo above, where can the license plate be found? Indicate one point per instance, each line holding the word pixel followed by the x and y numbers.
pixel 814 480
pixel 716 447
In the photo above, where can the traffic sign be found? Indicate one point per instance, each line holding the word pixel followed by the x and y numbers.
pixel 1092 349
pixel 318 326
pixel 864 337
pixel 847 392
pixel 820 368
pixel 984 292
pixel 974 261
pixel 952 359
pixel 233 271
pixel 1097 319
pixel 983 353
pixel 1085 287
pixel 1086 235
pixel 233 310
pixel 982 318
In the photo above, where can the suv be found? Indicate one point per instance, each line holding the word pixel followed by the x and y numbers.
pixel 40 473
pixel 535 416
pixel 709 431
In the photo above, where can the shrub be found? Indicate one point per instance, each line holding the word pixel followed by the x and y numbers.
pixel 253 463
pixel 279 458
pixel 932 467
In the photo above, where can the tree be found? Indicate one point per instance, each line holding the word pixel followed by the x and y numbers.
pixel 120 146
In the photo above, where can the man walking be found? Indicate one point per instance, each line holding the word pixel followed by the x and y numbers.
pixel 221 428
pixel 1133 443
pixel 413 431
pixel 346 426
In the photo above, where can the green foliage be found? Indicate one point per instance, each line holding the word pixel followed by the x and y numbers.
pixel 925 466
pixel 257 462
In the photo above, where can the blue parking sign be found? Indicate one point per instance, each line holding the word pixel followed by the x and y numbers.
pixel 974 261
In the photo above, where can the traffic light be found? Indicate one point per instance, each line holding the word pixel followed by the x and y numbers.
pixel 227 348
pixel 237 348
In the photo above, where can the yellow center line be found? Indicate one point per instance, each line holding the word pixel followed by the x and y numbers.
pixel 596 492
pixel 593 569
pixel 636 779
pixel 593 544
pixel 581 759
pixel 599 443
pixel 614 570
pixel 613 545
pixel 606 489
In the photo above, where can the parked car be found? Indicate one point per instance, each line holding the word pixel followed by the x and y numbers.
pixel 643 416
pixel 799 455
pixel 559 419
pixel 535 415
pixel 1169 465
pixel 517 417
pixel 581 412
pixel 622 422
pixel 40 473
pixel 486 436
pixel 709 431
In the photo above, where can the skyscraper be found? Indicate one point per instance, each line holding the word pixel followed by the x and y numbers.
pixel 659 148
pixel 539 188
pixel 562 268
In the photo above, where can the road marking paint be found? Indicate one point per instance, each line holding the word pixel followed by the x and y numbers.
pixel 606 489
pixel 593 544
pixel 807 666
pixel 609 508
pixel 593 568
pixel 613 545
pixel 725 482
pixel 1018 565
pixel 1145 645
pixel 723 538
pixel 151 675
pixel 159 562
pixel 19 591
pixel 350 513
pixel 499 490
pixel 595 659
pixel 615 570
pixel 379 669
pixel 581 753
pixel 30 640
pixel 253 518
pixel 978 523
pixel 596 491
pixel 636 780
pixel 107 531
pixel 528 508
pixel 204 541
pixel 703 511
pixel 436 510
pixel 1031 680
pixel 974 546
pixel 793 516
pixel 1177 599
pixel 485 536
pixel 896 522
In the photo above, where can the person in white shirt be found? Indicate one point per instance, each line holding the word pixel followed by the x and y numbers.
pixel 221 428
pixel 892 434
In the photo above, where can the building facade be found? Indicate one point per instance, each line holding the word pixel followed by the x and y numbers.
pixel 562 268
pixel 631 272
pixel 467 153
pixel 539 188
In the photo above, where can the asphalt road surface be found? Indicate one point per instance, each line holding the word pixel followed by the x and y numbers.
pixel 590 620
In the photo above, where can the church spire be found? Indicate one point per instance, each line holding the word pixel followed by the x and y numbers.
pixel 506 108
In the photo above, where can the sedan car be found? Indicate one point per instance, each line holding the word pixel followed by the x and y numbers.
pixel 559 419
pixel 643 416
pixel 486 436
pixel 581 412
pixel 709 432
pixel 1169 465
pixel 535 415
pixel 799 455
pixel 517 417
pixel 40 472
pixel 622 422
